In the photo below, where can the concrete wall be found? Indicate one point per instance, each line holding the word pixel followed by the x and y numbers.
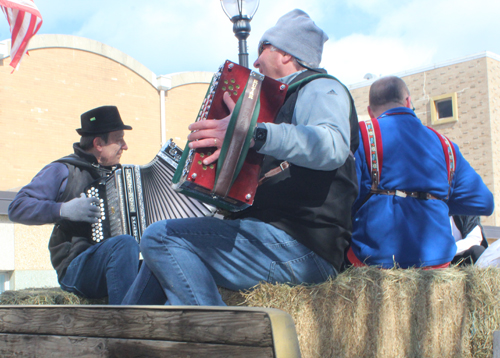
pixel 7 241
pixel 24 257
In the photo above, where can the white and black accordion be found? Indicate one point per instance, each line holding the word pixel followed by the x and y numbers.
pixel 135 196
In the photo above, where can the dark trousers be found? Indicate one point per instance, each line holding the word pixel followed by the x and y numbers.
pixel 468 257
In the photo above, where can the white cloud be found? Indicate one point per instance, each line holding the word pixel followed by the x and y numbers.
pixel 376 7
pixel 455 27
pixel 414 34
pixel 166 36
pixel 350 58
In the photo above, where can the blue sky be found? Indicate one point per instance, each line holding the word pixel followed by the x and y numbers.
pixel 366 36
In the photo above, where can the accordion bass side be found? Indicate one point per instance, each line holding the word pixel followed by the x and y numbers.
pixel 135 196
pixel 230 183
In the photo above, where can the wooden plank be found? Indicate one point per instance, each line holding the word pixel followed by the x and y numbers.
pixel 39 346
pixel 179 329
pixel 182 324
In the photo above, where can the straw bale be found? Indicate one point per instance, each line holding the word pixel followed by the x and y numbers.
pixel 45 296
pixel 483 288
pixel 367 312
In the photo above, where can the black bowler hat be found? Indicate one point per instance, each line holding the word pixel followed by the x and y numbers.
pixel 101 120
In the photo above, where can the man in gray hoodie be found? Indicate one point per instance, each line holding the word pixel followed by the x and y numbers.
pixel 300 222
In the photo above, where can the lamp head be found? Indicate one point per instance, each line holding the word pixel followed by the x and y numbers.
pixel 240 9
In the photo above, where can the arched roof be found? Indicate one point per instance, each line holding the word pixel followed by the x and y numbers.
pixel 85 44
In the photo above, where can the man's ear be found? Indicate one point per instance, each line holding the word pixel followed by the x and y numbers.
pixel 286 58
pixel 408 103
pixel 98 143
pixel 370 112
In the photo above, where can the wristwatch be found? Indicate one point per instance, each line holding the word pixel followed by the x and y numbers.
pixel 259 136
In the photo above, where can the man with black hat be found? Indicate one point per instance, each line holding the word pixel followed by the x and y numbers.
pixel 300 222
pixel 55 195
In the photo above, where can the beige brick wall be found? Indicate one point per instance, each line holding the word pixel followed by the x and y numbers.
pixel 474 130
pixel 360 97
pixel 493 68
pixel 41 104
pixel 182 105
pixel 40 107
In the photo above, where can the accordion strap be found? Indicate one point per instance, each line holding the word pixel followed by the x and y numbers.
pixel 238 135
pixel 283 166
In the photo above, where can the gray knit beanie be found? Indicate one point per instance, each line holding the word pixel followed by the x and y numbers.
pixel 296 34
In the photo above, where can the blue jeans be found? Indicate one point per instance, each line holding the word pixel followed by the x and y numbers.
pixel 105 269
pixel 186 259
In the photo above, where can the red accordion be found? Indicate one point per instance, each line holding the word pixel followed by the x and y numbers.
pixel 232 181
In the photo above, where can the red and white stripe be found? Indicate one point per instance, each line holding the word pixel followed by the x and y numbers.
pixel 25 21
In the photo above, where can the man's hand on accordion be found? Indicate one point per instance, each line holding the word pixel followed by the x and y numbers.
pixel 81 209
pixel 210 133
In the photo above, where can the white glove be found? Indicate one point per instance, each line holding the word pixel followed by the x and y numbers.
pixel 81 209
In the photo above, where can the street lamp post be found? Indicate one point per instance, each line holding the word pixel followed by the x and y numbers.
pixel 241 12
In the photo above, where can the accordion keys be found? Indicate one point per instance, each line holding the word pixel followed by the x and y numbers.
pixel 97 234
pixel 135 196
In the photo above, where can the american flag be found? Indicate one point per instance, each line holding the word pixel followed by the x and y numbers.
pixel 25 21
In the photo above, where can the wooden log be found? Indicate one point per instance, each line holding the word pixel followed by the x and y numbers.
pixel 172 329
pixel 178 325
pixel 34 346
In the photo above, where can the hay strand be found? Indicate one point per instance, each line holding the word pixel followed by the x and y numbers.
pixel 45 296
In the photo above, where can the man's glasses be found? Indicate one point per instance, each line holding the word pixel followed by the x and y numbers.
pixel 261 46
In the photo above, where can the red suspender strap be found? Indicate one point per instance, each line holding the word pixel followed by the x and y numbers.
pixel 372 145
pixel 449 154
pixel 372 142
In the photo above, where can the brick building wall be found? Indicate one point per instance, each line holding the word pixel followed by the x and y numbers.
pixel 40 107
pixel 493 68
pixel 182 106
pixel 41 103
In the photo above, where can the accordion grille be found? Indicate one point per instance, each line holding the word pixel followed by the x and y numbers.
pixel 114 202
pixel 161 201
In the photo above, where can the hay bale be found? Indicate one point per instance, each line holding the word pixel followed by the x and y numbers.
pixel 367 312
pixel 483 292
pixel 45 296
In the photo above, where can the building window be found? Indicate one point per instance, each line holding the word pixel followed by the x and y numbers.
pixel 444 109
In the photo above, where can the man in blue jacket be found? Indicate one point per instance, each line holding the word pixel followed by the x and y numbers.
pixel 55 196
pixel 414 179
pixel 300 223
